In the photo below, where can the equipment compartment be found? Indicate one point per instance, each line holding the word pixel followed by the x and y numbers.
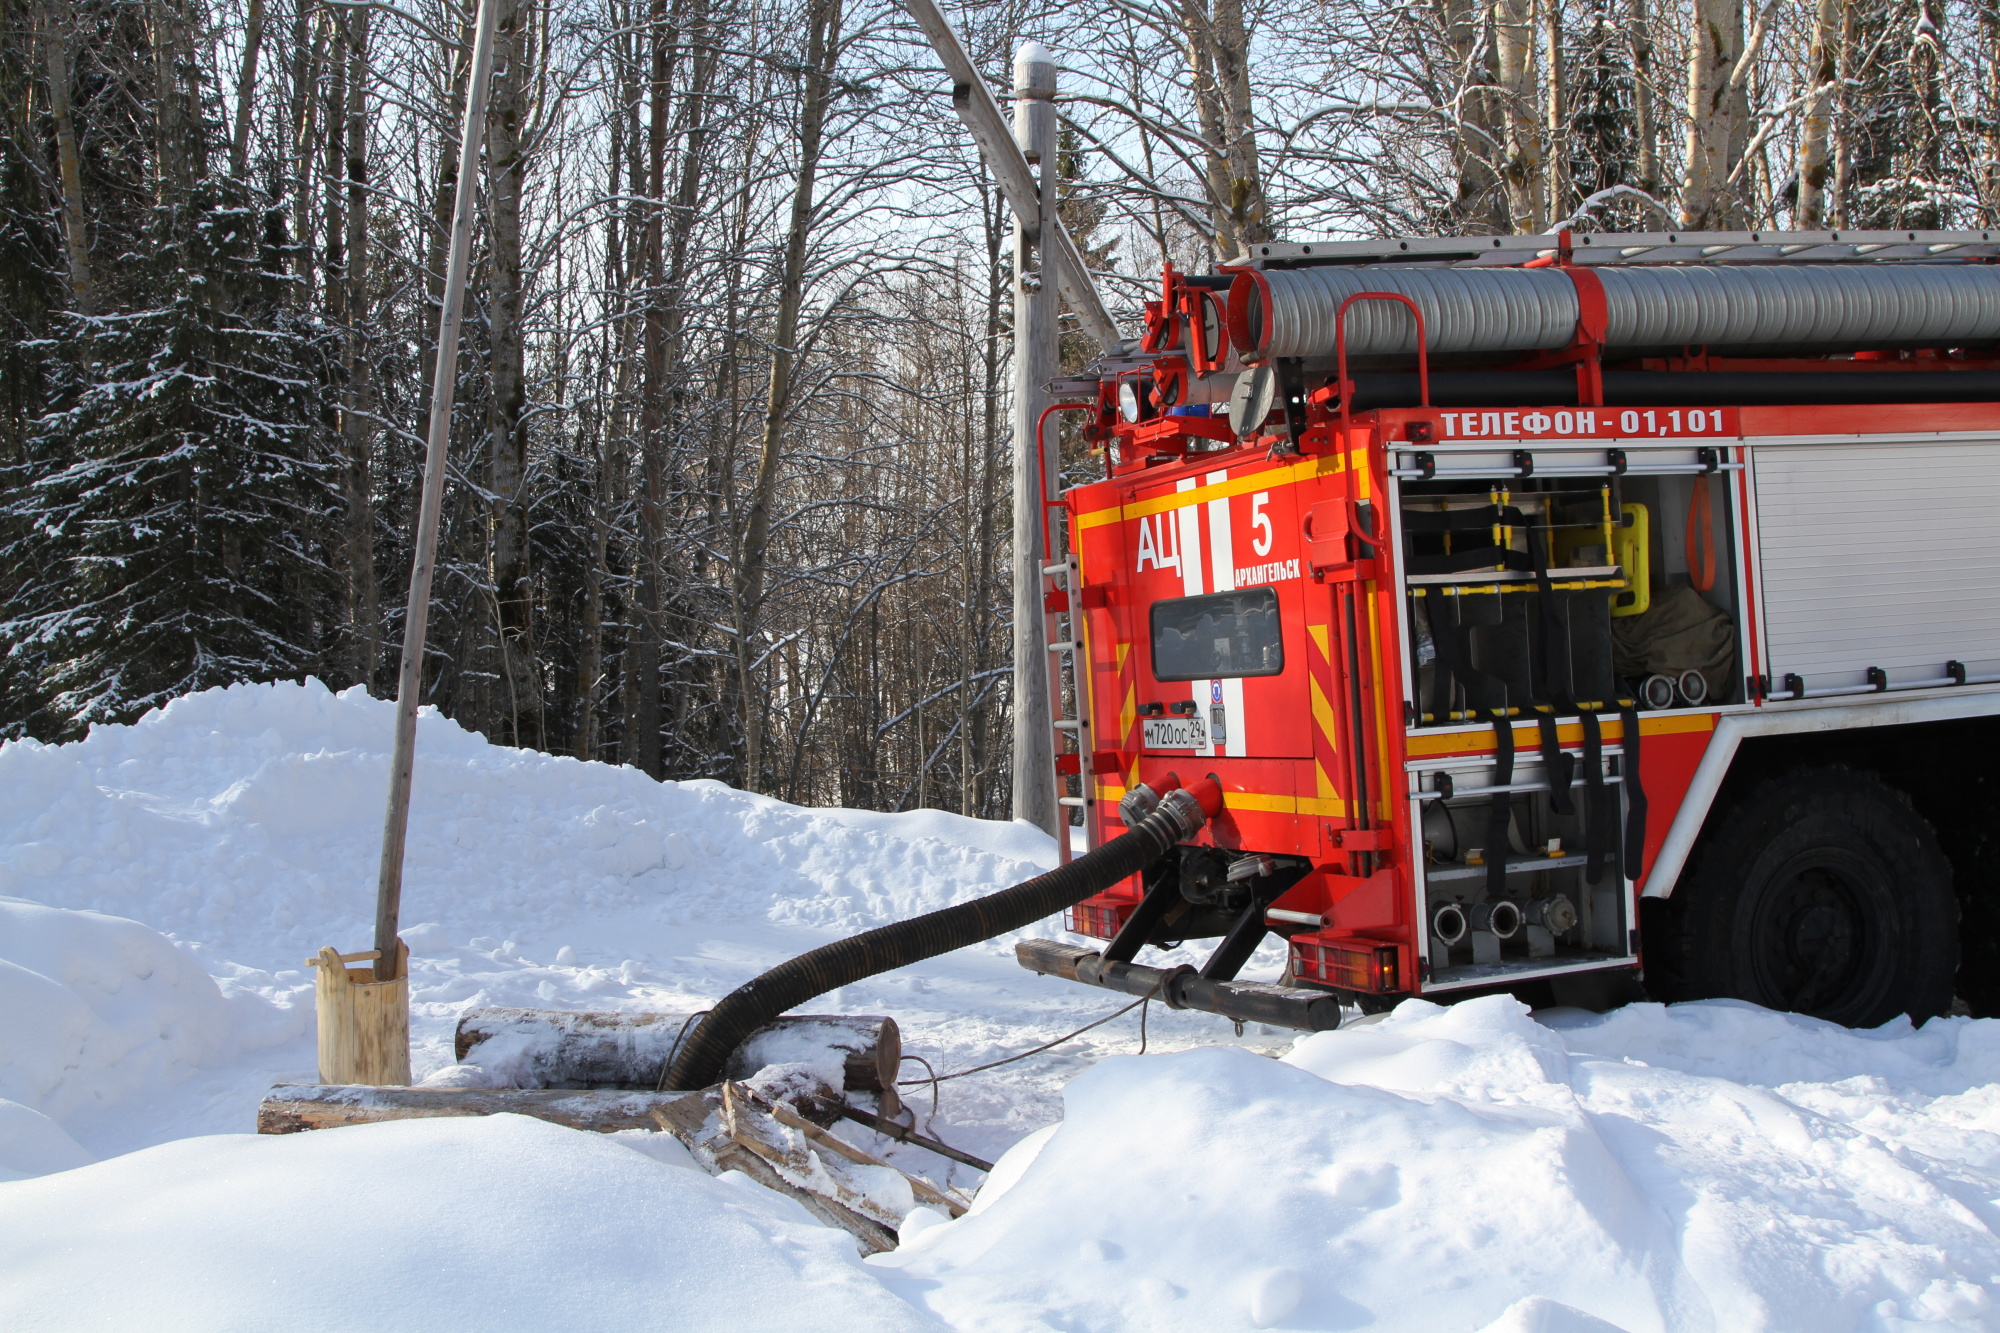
pixel 1544 614
pixel 1510 883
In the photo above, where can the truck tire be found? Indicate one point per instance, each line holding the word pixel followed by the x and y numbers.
pixel 1823 893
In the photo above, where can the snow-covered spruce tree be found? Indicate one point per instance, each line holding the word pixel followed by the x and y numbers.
pixel 160 513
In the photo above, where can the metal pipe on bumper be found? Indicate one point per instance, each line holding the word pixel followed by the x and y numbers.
pixel 1183 988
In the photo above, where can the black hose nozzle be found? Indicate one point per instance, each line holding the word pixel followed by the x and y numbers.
pixel 1180 814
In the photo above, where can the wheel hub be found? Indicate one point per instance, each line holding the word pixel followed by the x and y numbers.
pixel 1811 937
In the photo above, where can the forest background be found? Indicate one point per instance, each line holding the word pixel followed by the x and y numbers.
pixel 730 459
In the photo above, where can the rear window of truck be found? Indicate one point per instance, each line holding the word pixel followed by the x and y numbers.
pixel 1223 634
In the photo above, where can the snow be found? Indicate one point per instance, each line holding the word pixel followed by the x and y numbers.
pixel 1709 1166
pixel 504 1222
pixel 1429 1171
pixel 245 824
pixel 100 1012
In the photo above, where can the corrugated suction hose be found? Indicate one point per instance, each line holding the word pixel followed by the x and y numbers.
pixel 1831 305
pixel 1180 814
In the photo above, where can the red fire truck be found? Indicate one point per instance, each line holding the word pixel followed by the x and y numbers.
pixel 1547 609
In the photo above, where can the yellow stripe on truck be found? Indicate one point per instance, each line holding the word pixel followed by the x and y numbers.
pixel 1256 481
pixel 1267 803
pixel 1262 802
pixel 1323 713
pixel 1527 738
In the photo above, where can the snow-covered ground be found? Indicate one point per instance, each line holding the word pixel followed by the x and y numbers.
pixel 1708 1167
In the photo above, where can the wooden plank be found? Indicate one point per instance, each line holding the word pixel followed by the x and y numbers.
pixel 700 1121
pixel 752 1126
pixel 361 957
pixel 923 1189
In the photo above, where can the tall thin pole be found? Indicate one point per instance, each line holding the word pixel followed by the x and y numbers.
pixel 409 683
pixel 1035 278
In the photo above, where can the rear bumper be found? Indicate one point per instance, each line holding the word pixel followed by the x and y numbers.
pixel 1182 988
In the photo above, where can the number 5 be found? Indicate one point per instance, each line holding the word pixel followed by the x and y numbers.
pixel 1261 521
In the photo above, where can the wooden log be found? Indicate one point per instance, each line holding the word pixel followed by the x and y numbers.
pixel 289 1109
pixel 557 1048
pixel 870 1046
pixel 364 1024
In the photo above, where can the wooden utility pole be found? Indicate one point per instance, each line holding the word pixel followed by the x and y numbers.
pixel 1034 367
pixel 1045 259
pixel 409 684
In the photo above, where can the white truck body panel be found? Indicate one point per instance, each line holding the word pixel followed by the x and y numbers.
pixel 1878 553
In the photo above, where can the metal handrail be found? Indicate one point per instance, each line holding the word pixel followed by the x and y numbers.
pixel 1340 349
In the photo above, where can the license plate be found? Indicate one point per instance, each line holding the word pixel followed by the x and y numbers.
pixel 1175 733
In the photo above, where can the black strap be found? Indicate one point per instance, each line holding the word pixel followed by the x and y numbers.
pixel 1597 828
pixel 1454 662
pixel 1364 530
pixel 1635 792
pixel 1551 685
pixel 1462 520
pixel 1466 558
pixel 1432 522
pixel 1498 845
pixel 1550 694
pixel 1449 653
pixel 1560 765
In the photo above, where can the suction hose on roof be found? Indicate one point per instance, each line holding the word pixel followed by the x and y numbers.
pixel 1831 306
pixel 1180 814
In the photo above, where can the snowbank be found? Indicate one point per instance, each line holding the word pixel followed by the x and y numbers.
pixel 249 819
pixel 1434 1170
pixel 422 1224
pixel 101 1014
pixel 245 823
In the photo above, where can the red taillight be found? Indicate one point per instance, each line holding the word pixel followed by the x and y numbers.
pixel 1100 923
pixel 1356 966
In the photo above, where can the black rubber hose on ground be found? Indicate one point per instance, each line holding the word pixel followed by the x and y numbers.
pixel 750 1006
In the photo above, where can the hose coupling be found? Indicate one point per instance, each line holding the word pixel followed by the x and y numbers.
pixel 1555 914
pixel 1192 807
pixel 1500 919
pixel 1142 800
pixel 1448 924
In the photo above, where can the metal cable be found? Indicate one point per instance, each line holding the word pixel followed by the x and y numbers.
pixel 1143 1004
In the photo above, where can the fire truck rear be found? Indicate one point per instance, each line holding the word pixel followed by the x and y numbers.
pixel 1545 608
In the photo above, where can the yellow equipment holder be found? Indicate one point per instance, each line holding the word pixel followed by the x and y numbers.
pixel 1629 544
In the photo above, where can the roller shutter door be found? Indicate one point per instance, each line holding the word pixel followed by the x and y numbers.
pixel 1881 554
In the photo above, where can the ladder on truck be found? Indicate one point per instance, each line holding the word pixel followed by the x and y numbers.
pixel 1060 601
